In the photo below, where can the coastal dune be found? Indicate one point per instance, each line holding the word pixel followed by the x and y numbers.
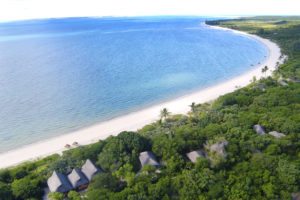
pixel 136 120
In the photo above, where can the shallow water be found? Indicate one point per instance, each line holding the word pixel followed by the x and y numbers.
pixel 60 75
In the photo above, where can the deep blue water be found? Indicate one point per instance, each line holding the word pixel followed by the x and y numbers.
pixel 59 75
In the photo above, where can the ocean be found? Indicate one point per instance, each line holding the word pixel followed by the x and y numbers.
pixel 60 75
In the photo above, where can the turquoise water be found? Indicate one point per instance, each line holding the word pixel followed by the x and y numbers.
pixel 60 75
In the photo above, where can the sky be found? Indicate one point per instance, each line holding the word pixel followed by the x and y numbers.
pixel 31 9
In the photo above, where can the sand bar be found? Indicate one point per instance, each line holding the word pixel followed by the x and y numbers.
pixel 137 120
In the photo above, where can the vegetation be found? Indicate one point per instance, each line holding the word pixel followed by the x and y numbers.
pixel 255 166
pixel 164 114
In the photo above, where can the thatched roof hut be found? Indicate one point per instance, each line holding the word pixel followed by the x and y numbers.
pixel 276 134
pixel 148 158
pixel 283 83
pixel 294 80
pixel 194 155
pixel 260 86
pixel 77 178
pixel 259 129
pixel 89 169
pixel 296 196
pixel 59 183
pixel 219 147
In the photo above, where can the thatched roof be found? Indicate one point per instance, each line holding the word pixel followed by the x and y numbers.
pixel 259 129
pixel 59 183
pixel 296 196
pixel 283 83
pixel 89 169
pixel 193 155
pixel 260 86
pixel 148 158
pixel 294 80
pixel 276 134
pixel 77 178
pixel 219 147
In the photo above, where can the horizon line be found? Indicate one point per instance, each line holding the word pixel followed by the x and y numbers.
pixel 145 16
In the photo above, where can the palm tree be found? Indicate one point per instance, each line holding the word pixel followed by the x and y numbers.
pixel 193 107
pixel 164 114
pixel 254 79
pixel 264 69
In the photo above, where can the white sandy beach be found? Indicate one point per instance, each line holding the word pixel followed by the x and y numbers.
pixel 137 120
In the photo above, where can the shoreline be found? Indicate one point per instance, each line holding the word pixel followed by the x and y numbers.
pixel 136 120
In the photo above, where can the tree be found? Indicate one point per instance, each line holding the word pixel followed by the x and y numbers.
pixel 104 181
pixel 260 31
pixel 296 46
pixel 162 189
pixel 164 114
pixel 122 149
pixel 175 164
pixel 126 173
pixel 98 194
pixel 264 70
pixel 288 174
pixel 72 195
pixel 5 191
pixel 254 79
pixel 193 107
pixel 26 188
pixel 64 164
pixel 193 183
pixel 56 196
pixel 5 176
